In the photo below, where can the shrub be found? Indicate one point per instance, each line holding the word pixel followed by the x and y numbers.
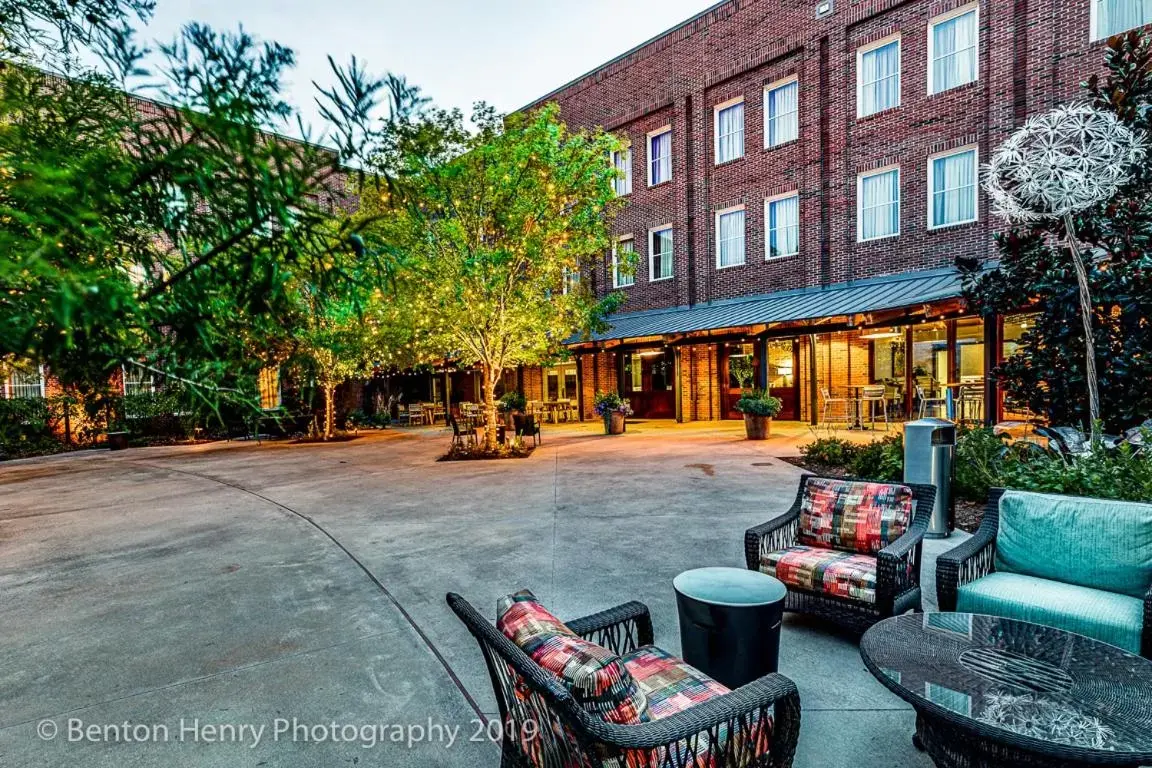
pixel 759 403
pixel 880 460
pixel 829 452
pixel 980 463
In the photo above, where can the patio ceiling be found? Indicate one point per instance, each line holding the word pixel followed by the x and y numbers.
pixel 805 304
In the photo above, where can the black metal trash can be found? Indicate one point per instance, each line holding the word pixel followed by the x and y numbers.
pixel 730 622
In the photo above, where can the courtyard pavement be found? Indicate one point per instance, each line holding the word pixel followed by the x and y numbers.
pixel 301 587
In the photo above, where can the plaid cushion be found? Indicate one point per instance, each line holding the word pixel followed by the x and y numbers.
pixel 834 573
pixel 597 678
pixel 673 686
pixel 853 516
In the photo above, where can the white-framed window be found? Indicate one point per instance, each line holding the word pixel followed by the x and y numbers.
pixel 622 162
pixel 730 237
pixel 781 112
pixel 24 383
pixel 729 130
pixel 878 76
pixel 954 49
pixel 661 264
pixel 878 204
pixel 569 281
pixel 1111 17
pixel 953 188
pixel 782 219
pixel 660 156
pixel 623 263
pixel 136 380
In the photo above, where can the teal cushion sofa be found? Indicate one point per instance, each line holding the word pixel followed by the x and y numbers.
pixel 1079 564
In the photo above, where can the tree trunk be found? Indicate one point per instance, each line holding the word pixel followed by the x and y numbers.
pixel 329 409
pixel 488 385
pixel 1089 336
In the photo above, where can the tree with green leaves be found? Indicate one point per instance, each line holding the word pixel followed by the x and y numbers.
pixel 165 232
pixel 490 230
pixel 1037 271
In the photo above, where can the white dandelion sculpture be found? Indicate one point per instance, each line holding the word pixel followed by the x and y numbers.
pixel 1057 165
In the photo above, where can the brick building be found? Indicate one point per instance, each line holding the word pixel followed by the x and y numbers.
pixel 801 178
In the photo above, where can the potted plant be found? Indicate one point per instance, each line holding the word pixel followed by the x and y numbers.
pixel 614 410
pixel 758 408
pixel 510 404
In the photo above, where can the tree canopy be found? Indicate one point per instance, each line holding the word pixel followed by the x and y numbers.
pixel 491 230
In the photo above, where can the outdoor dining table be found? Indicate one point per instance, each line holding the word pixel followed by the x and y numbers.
pixel 553 408
pixel 858 388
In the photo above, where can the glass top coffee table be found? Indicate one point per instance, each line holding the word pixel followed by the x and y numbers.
pixel 995 692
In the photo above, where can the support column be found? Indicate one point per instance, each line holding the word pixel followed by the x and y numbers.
pixel 580 386
pixel 762 373
pixel 993 333
pixel 813 383
pixel 678 384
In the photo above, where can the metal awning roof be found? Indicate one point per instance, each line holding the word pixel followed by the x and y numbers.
pixel 855 297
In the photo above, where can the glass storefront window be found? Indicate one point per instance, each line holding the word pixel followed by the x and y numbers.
pixel 930 357
pixel 741 366
pixel 970 350
pixel 1015 326
pixel 560 382
pixel 649 370
pixel 781 364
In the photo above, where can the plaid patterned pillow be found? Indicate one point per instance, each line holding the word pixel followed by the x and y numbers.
pixel 597 678
pixel 853 516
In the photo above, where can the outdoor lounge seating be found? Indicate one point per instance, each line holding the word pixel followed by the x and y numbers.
pixel 1078 564
pixel 848 551
pixel 596 692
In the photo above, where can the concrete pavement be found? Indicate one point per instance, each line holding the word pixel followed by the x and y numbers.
pixel 303 586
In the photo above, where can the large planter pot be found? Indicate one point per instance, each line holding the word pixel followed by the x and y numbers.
pixel 614 424
pixel 757 427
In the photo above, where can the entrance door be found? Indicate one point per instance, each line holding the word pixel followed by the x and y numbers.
pixel 783 362
pixel 740 372
pixel 650 384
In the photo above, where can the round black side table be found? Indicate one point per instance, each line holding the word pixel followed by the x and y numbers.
pixel 730 622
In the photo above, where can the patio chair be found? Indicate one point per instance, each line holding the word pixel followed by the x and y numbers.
pixel 465 438
pixel 873 396
pixel 972 403
pixel 595 692
pixel 415 414
pixel 1081 564
pixel 848 551
pixel 527 426
pixel 928 402
pixel 827 402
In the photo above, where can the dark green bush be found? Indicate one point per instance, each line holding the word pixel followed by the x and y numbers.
pixel 980 464
pixel 26 428
pixel 880 460
pixel 829 452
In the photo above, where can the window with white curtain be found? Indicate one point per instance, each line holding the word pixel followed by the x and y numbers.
pixel 878 77
pixel 953 185
pixel 781 113
pixel 729 131
pixel 24 383
pixel 878 201
pixel 1111 17
pixel 660 254
pixel 623 264
pixel 730 237
pixel 622 161
pixel 953 52
pixel 660 157
pixel 783 217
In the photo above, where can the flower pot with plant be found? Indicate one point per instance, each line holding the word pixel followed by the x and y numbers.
pixel 511 404
pixel 614 410
pixel 758 408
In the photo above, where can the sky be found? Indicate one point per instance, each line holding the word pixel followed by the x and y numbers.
pixel 505 52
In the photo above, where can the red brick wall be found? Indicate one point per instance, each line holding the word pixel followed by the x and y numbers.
pixel 1033 54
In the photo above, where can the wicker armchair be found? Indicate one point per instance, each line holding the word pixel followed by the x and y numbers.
pixel 543 725
pixel 897 566
pixel 976 559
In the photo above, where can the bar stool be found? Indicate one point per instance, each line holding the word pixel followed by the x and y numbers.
pixel 870 397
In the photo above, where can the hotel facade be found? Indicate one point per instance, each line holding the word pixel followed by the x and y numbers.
pixel 800 179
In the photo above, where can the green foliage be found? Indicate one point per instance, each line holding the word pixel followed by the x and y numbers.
pixel 607 403
pixel 169 232
pixel 829 452
pixel 879 460
pixel 483 227
pixel 979 463
pixel 25 428
pixel 1047 373
pixel 759 403
pixel 513 401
